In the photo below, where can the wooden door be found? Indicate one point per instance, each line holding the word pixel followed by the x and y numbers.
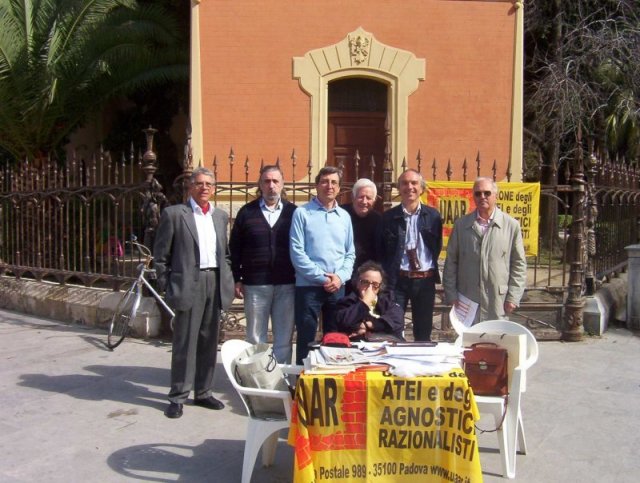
pixel 351 131
pixel 356 119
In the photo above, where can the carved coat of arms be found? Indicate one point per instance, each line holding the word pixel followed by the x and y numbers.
pixel 359 49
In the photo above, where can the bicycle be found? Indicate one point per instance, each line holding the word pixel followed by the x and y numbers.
pixel 128 306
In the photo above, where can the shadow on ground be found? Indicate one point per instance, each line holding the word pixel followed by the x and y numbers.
pixel 116 383
pixel 153 462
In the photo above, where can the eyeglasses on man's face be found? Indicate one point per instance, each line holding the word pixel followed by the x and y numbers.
pixel 203 184
pixel 480 194
pixel 369 283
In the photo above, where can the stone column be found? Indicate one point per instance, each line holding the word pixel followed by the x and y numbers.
pixel 633 287
pixel 154 199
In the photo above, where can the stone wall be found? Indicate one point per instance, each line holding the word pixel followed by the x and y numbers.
pixel 71 304
pixel 609 304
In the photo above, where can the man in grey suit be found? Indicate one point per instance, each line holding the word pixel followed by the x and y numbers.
pixel 192 261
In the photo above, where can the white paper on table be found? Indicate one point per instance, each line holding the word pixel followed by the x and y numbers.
pixel 341 355
pixel 463 313
pixel 441 349
pixel 404 367
pixel 421 360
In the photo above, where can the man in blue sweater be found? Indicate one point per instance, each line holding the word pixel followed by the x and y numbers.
pixel 323 254
pixel 261 264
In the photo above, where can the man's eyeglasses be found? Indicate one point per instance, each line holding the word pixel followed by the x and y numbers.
pixel 479 194
pixel 369 283
pixel 203 184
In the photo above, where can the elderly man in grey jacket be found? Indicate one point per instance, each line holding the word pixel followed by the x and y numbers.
pixel 485 257
pixel 193 263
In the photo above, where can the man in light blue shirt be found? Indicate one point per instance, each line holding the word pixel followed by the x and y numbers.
pixel 322 253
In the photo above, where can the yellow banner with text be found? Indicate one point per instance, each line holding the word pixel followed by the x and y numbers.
pixel 454 199
pixel 374 427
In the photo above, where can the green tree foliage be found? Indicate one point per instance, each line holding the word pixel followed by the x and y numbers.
pixel 61 59
pixel 582 60
pixel 582 69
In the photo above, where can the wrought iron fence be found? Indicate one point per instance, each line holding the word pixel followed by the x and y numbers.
pixel 558 266
pixel 614 214
pixel 548 274
pixel 69 222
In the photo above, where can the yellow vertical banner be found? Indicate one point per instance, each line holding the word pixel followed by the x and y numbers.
pixel 329 428
pixel 454 199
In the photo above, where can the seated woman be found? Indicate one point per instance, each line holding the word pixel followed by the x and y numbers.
pixel 369 313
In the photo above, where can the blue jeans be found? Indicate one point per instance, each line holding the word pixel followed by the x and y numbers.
pixel 422 293
pixel 277 302
pixel 310 301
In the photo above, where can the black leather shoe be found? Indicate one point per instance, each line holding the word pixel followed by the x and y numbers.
pixel 173 411
pixel 209 403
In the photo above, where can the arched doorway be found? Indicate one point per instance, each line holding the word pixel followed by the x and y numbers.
pixel 357 109
pixel 361 56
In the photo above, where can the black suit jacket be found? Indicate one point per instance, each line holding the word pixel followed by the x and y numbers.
pixel 394 229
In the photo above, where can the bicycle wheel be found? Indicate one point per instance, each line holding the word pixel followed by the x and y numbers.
pixel 122 318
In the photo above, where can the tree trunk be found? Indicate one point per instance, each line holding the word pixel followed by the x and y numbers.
pixel 551 151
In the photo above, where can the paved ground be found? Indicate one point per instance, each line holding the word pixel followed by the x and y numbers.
pixel 74 411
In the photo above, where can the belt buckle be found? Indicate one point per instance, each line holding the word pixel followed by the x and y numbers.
pixel 425 274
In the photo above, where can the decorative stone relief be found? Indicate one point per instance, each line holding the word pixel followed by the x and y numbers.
pixel 359 47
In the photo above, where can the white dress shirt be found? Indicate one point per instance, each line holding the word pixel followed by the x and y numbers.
pixel 271 214
pixel 206 235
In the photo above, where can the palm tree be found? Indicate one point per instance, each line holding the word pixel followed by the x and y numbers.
pixel 62 59
pixel 622 111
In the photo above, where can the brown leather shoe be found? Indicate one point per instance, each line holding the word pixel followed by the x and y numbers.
pixel 209 403
pixel 173 411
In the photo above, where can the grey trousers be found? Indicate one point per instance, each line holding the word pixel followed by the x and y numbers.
pixel 195 342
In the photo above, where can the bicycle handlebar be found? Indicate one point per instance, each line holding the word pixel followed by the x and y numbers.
pixel 142 248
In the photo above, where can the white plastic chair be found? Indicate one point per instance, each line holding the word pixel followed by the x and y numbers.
pixel 261 433
pixel 511 435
